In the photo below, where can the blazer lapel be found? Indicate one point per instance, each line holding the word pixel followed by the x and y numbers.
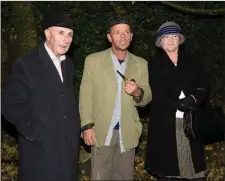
pixel 131 67
pixel 108 67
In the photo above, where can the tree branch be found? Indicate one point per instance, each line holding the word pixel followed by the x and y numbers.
pixel 219 11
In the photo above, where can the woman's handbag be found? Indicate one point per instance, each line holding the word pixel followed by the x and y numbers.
pixel 191 124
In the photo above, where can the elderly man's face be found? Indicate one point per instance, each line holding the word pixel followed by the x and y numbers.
pixel 170 43
pixel 58 39
pixel 120 36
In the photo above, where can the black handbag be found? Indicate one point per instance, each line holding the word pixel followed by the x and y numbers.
pixel 207 124
pixel 191 124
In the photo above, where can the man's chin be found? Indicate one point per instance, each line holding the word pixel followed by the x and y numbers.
pixel 62 52
pixel 122 48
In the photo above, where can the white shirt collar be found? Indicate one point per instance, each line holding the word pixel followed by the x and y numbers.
pixel 115 58
pixel 52 55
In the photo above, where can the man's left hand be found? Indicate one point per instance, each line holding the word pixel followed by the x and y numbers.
pixel 132 88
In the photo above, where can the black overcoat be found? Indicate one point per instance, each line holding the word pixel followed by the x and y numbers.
pixel 167 81
pixel 45 114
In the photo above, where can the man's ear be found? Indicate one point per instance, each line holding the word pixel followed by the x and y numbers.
pixel 109 38
pixel 131 36
pixel 47 34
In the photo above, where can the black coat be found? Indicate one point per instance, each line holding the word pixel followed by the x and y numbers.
pixel 45 114
pixel 167 81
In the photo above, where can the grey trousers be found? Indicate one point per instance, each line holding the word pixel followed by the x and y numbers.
pixel 109 164
pixel 184 154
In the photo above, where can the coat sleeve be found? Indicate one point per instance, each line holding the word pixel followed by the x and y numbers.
pixel 16 106
pixel 85 96
pixel 144 85
pixel 200 82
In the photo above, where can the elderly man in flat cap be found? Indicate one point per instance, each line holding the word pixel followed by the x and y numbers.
pixel 38 99
pixel 108 100
pixel 178 84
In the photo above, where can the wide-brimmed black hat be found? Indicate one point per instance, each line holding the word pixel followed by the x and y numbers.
pixel 58 18
pixel 119 20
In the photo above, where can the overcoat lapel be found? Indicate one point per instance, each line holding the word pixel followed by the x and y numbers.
pixel 65 72
pixel 49 72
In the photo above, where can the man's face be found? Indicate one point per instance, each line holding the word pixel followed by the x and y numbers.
pixel 120 36
pixel 58 39
pixel 170 43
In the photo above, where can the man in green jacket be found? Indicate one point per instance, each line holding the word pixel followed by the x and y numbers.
pixel 109 118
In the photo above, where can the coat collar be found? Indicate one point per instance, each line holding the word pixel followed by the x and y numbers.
pixel 162 59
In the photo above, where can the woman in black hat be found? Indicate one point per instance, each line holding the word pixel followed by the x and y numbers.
pixel 177 83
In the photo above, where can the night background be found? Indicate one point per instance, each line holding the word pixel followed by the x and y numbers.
pixel 202 23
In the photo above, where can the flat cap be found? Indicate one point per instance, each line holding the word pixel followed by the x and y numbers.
pixel 58 18
pixel 118 20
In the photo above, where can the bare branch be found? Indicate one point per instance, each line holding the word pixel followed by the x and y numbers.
pixel 219 11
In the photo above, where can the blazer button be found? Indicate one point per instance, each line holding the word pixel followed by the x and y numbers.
pixel 66 137
pixel 62 95
pixel 64 117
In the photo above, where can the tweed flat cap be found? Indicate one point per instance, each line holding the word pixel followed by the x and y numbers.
pixel 169 28
pixel 58 18
pixel 119 20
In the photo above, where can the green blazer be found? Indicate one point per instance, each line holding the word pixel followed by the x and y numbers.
pixel 98 95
